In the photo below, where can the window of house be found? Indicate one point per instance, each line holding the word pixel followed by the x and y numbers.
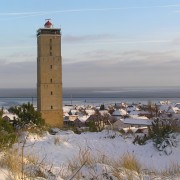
pixel 51 93
pixel 51 107
pixel 50 66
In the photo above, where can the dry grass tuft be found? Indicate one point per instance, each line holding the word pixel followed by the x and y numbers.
pixel 21 167
pixel 172 170
pixel 57 140
pixel 13 163
pixel 60 140
pixel 126 167
pixel 84 158
pixel 129 161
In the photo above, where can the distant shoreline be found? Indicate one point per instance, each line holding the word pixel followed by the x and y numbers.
pixel 103 92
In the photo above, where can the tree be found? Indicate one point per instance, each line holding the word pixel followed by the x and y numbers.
pixel 98 121
pixel 7 133
pixel 4 125
pixel 26 115
pixel 162 133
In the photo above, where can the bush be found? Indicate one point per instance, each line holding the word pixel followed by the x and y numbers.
pixel 27 115
pixel 141 140
pixel 92 126
pixel 163 136
pixel 7 134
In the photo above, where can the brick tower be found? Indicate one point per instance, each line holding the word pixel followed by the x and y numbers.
pixel 49 74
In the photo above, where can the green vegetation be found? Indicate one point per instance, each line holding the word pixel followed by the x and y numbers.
pixel 92 126
pixel 26 115
pixel 27 118
pixel 162 133
pixel 7 133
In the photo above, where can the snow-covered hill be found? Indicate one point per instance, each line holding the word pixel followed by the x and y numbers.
pixel 65 153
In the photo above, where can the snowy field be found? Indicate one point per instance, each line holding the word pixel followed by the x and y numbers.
pixel 55 152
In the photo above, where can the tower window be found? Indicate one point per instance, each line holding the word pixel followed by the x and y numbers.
pixel 51 107
pixel 50 47
pixel 50 66
pixel 51 80
pixel 50 53
pixel 50 41
pixel 51 93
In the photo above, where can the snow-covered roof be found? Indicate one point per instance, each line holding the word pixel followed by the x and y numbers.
pixel 10 116
pixel 73 117
pixel 66 114
pixel 164 107
pixel 5 111
pixel 146 122
pixel 138 117
pixel 165 102
pixel 90 111
pixel 73 111
pixel 119 112
pixel 83 118
pixel 174 110
pixel 177 105
pixel 133 129
pixel 132 108
pixel 134 113
pixel 67 108
pixel 103 112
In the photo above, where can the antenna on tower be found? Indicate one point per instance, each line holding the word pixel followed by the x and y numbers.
pixel 48 19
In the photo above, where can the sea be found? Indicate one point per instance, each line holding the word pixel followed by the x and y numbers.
pixel 94 95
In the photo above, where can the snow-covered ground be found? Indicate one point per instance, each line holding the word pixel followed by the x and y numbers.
pixel 57 151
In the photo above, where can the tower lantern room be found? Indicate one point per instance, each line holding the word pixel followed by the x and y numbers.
pixel 48 24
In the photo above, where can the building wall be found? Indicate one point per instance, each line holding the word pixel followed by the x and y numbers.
pixel 49 78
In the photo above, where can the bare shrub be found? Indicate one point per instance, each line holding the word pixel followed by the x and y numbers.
pixel 84 158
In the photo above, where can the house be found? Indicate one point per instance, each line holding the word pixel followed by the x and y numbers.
pixel 177 105
pixel 9 117
pixel 119 113
pixel 119 124
pixel 136 130
pixel 69 120
pixel 131 122
pixel 90 111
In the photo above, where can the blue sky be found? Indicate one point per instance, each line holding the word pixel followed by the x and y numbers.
pixel 104 42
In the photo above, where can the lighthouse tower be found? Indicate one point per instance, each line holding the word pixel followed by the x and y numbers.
pixel 49 74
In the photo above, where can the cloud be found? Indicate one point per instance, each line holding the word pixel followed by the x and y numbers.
pixel 40 13
pixel 101 68
pixel 137 70
pixel 18 74
pixel 90 37
pixel 86 10
pixel 18 57
pixel 176 41
pixel 108 39
pixel 115 56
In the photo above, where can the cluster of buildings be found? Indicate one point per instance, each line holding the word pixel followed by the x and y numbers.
pixel 122 116
pixel 134 118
